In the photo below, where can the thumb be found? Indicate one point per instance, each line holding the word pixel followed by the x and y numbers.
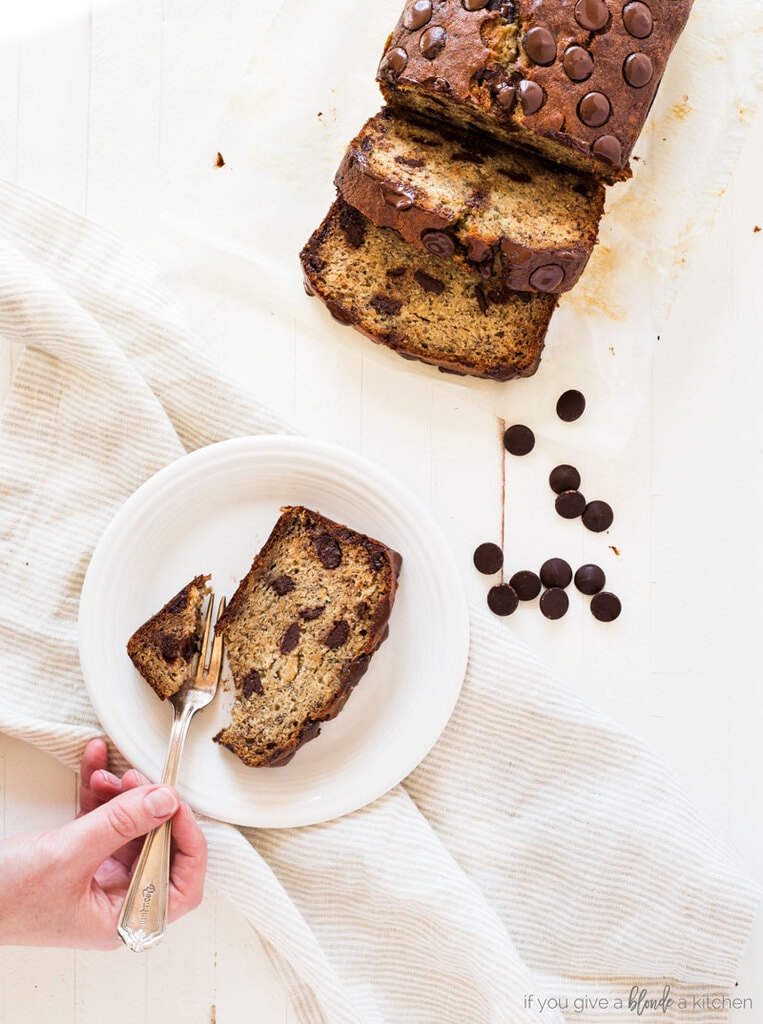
pixel 100 833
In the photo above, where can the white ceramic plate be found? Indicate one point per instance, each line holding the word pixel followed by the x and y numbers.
pixel 210 512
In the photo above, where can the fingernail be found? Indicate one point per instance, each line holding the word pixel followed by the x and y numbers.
pixel 162 802
pixel 108 777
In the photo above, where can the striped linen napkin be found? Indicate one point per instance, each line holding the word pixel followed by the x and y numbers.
pixel 567 876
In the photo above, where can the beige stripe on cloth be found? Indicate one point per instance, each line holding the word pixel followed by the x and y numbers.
pixel 569 866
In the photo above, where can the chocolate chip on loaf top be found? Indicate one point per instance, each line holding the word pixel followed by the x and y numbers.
pixel 572 79
pixel 300 631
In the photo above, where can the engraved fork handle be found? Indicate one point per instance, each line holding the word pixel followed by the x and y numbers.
pixel 143 920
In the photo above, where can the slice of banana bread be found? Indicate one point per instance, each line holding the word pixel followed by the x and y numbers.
pixel 300 631
pixel 163 648
pixel 467 197
pixel 420 305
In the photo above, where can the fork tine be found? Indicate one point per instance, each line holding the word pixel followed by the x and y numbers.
pixel 216 657
pixel 205 637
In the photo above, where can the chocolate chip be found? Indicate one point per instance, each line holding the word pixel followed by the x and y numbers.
pixel 417 14
pixel 311 614
pixel 474 5
pixel 591 14
pixel 482 302
pixel 590 579
pixel 361 609
pixel 439 243
pixel 429 283
pixel 637 19
pixel 564 478
pixel 290 639
pixel 547 278
pixel 540 45
pixel 397 196
pixel 353 225
pixel 505 94
pixel 605 606
pixel 531 97
pixel 432 41
pixel 502 600
pixel 519 439
pixel 396 272
pixel 554 603
pixel 385 305
pixel 338 635
pixel 555 572
pixel 570 406
pixel 638 70
pixel 329 552
pixel 577 63
pixel 607 147
pixel 283 585
pixel 393 62
pixel 252 683
pixel 570 504
pixel 171 647
pixel 597 516
pixel 526 583
pixel 594 109
pixel 488 558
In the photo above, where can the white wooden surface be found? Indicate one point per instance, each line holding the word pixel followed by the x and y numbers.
pixel 100 112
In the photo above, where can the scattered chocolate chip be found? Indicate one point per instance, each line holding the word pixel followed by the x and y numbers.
pixel 488 558
pixel 547 278
pixel 637 19
pixel 607 147
pixel 385 305
pixel 591 14
pixel 290 639
pixel 590 579
pixel 311 614
pixel 329 552
pixel 564 478
pixel 531 97
pixel 570 406
pixel 605 606
pixel 555 572
pixel 397 196
pixel 597 516
pixel 594 109
pixel 526 584
pixel 474 5
pixel 554 603
pixel 519 439
pixel 482 302
pixel 502 600
pixel 577 63
pixel 338 635
pixel 171 647
pixel 432 41
pixel 361 609
pixel 438 243
pixel 252 683
pixel 417 14
pixel 353 226
pixel 393 62
pixel 429 283
pixel 505 94
pixel 638 70
pixel 570 504
pixel 396 272
pixel 540 45
pixel 219 162
pixel 283 585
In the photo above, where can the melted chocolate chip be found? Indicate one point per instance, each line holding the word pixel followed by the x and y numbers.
pixel 171 647
pixel 352 225
pixel 597 516
pixel 338 635
pixel 474 5
pixel 519 439
pixel 547 278
pixel 502 600
pixel 396 196
pixel 594 109
pixel 577 63
pixel 570 504
pixel 591 14
pixel 605 606
pixel 417 14
pixel 329 552
pixel 555 572
pixel 438 243
pixel 607 147
pixel 570 406
pixel 638 70
pixel 429 283
pixel 505 95
pixel 393 62
pixel 290 639
pixel 531 97
pixel 482 302
pixel 590 579
pixel 554 603
pixel 526 583
pixel 311 614
pixel 540 45
pixel 385 305
pixel 564 478
pixel 488 558
pixel 252 683
pixel 283 585
pixel 637 19
pixel 362 609
pixel 432 41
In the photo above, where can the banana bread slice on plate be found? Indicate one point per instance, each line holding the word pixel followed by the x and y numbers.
pixel 467 197
pixel 420 305
pixel 163 648
pixel 300 631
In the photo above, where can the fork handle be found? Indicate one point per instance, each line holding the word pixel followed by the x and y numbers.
pixel 143 920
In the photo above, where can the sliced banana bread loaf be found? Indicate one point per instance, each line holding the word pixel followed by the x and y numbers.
pixel 300 631
pixel 163 648
pixel 466 196
pixel 420 305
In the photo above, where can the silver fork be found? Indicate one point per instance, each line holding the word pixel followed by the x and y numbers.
pixel 143 919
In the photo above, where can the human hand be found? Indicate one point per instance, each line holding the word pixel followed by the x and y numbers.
pixel 65 887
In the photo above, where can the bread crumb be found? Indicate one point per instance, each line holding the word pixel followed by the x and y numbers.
pixel 219 162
